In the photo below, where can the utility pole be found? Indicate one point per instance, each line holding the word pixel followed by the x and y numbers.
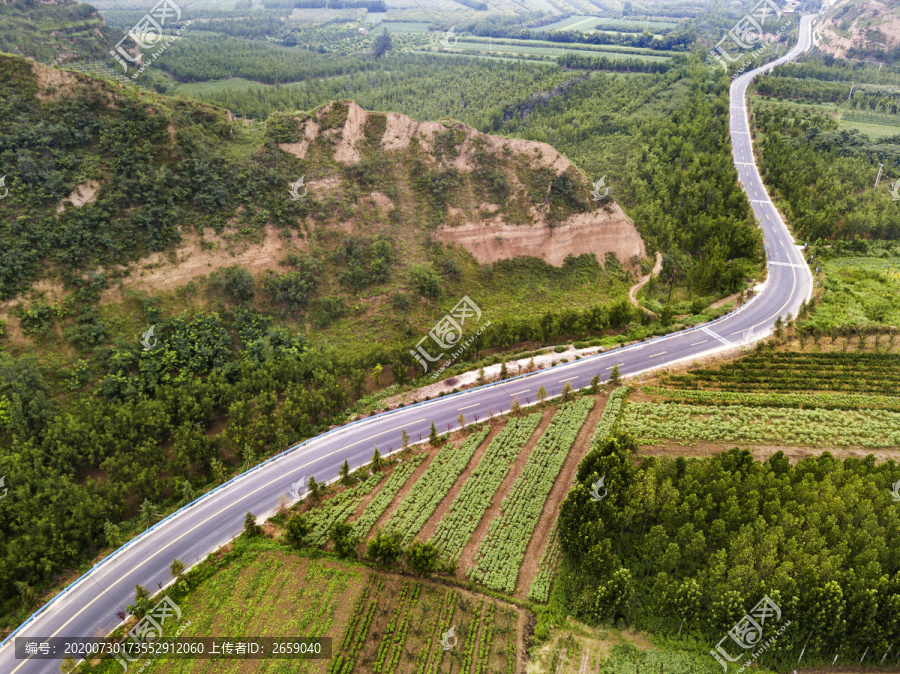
pixel 878 177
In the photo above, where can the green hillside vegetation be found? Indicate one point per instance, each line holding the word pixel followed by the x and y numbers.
pixel 823 173
pixel 54 32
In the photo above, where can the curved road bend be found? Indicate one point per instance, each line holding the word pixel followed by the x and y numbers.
pixel 88 606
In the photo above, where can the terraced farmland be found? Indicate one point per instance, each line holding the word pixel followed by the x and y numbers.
pixel 382 500
pixel 400 626
pixel 427 493
pixel 476 495
pixel 503 548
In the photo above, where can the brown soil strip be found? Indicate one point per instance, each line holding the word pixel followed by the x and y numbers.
pixel 762 452
pixel 432 524
pixel 561 487
pixel 468 554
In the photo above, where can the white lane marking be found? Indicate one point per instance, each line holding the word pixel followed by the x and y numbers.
pixel 569 379
pixel 467 407
pixel 697 343
pixel 787 264
pixel 657 354
pixel 520 392
pixel 719 337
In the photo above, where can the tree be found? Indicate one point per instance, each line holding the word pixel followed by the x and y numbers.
pixel 481 379
pixel 422 557
pixel 385 549
pixel 779 327
pixel 542 394
pixel 515 406
pixel 377 461
pixel 504 373
pixel 296 530
pixel 595 383
pixel 147 514
pixel 176 568
pixel 531 365
pixel 344 541
pixel 567 393
pixel 405 439
pixel 112 534
pixel 382 44
pixel 141 592
pixel 345 473
pixel 615 377
pixel 67 665
pixel 461 420
pixel 433 435
pixel 376 374
pixel 251 528
pixel 187 492
pixel 313 489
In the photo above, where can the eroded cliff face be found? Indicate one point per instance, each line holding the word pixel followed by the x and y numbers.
pixel 512 197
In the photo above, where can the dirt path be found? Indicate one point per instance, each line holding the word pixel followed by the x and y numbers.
pixel 467 556
pixel 538 542
pixel 632 294
pixel 428 530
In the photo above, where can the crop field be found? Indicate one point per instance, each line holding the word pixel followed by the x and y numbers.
pixel 589 23
pixel 549 52
pixel 473 500
pixel 602 49
pixel 782 371
pixel 502 550
pixel 400 625
pixel 378 622
pixel 651 422
pixel 430 489
pixel 339 508
pixel 540 586
pixel 382 500
pixel 267 592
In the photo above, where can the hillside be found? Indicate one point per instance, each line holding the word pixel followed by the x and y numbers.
pixel 53 32
pixel 867 30
pixel 151 193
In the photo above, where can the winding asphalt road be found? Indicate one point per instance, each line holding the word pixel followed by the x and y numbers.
pixel 88 606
